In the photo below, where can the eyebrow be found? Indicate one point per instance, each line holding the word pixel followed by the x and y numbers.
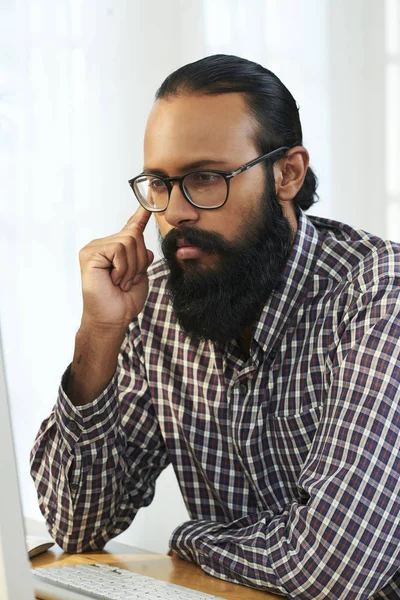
pixel 188 167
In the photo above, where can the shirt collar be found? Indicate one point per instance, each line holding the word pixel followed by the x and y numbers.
pixel 279 308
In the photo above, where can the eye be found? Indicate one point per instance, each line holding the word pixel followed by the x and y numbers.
pixel 157 185
pixel 204 177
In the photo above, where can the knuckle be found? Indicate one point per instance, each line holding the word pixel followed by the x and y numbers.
pixel 120 247
pixel 84 252
pixel 130 240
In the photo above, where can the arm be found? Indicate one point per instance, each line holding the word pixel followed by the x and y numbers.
pixel 95 465
pixel 96 458
pixel 344 542
pixel 114 289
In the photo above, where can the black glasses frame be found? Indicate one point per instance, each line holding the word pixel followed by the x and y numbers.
pixel 227 175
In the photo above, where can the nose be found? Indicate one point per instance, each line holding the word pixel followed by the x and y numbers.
pixel 179 210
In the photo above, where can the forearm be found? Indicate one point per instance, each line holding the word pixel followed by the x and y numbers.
pixel 94 363
pixel 283 555
pixel 91 476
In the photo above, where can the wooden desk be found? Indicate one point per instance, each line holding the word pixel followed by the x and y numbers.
pixel 159 566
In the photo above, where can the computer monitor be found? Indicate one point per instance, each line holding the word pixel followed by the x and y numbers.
pixel 15 576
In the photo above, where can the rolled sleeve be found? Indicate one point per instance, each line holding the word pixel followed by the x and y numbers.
pixel 88 423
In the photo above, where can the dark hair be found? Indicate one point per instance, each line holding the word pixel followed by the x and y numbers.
pixel 270 102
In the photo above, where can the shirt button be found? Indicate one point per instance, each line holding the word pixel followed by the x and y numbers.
pixel 73 426
pixel 243 388
pixel 74 487
pixel 95 419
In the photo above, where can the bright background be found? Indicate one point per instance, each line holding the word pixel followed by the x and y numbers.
pixel 77 80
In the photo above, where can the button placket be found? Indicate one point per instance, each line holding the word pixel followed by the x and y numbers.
pixel 243 388
pixel 239 390
pixel 95 420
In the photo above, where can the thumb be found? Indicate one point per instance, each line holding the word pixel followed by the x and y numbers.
pixel 150 257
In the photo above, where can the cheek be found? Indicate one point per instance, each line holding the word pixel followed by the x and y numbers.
pixel 229 220
pixel 162 224
pixel 240 211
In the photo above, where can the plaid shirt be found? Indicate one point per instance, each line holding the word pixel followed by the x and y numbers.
pixel 288 460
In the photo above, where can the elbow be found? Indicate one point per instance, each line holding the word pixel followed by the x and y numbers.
pixel 73 538
pixel 76 544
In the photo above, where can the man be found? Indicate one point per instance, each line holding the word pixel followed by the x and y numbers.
pixel 261 358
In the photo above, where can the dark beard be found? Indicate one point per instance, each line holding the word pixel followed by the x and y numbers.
pixel 220 302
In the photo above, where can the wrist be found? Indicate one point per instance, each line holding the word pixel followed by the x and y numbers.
pixel 101 331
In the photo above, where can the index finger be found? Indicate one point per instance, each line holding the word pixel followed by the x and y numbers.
pixel 138 220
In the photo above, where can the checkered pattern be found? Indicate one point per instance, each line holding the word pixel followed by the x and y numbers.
pixel 288 461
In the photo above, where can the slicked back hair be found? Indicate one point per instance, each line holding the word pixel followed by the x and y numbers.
pixel 269 101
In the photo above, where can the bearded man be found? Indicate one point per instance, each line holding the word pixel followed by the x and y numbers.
pixel 260 357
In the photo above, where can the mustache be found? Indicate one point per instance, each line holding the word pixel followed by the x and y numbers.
pixel 208 241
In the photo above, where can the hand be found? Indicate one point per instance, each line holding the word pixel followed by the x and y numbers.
pixel 114 276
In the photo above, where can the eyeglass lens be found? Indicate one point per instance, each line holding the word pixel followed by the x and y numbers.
pixel 205 189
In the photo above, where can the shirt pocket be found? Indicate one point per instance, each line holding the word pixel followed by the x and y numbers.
pixel 292 436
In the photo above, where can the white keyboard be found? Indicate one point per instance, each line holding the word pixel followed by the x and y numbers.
pixel 105 582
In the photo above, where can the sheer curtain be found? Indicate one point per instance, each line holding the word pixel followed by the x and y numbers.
pixel 78 79
pixel 392 118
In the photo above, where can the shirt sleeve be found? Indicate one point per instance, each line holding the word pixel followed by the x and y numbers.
pixel 94 466
pixel 343 541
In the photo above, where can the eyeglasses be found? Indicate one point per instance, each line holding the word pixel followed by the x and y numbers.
pixel 203 189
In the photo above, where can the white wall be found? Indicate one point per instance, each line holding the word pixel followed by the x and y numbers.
pixel 357 91
pixel 79 79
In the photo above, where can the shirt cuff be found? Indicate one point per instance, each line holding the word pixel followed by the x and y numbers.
pixel 186 539
pixel 88 423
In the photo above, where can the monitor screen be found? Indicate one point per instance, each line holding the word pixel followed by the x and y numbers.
pixel 15 578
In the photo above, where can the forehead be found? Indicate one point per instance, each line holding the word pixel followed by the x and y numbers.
pixel 185 128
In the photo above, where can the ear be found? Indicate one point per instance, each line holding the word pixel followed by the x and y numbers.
pixel 290 172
